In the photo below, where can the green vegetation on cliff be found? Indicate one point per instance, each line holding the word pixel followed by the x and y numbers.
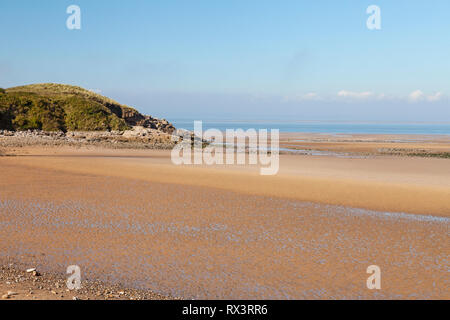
pixel 54 107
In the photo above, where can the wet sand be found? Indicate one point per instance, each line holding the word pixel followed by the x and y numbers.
pixel 132 218
pixel 382 183
pixel 367 143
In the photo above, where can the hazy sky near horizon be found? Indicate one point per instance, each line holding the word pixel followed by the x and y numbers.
pixel 256 59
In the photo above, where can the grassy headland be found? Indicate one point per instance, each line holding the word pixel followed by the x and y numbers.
pixel 58 107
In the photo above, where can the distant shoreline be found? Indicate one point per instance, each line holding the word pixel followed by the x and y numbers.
pixel 326 127
pixel 316 144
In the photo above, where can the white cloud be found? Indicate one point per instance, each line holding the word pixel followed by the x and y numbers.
pixel 311 96
pixel 419 95
pixel 435 97
pixel 349 96
pixel 355 95
pixel 416 95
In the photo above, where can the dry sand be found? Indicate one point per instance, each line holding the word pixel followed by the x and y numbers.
pixel 133 218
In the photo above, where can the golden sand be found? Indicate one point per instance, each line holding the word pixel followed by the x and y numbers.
pixel 398 184
pixel 131 217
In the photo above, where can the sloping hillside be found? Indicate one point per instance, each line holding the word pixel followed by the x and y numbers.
pixel 59 107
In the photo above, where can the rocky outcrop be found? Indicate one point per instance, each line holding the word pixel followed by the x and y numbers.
pixel 138 137
pixel 134 118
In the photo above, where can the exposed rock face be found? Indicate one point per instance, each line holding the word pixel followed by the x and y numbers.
pixel 134 118
pixel 140 131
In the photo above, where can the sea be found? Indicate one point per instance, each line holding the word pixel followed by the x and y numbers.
pixel 327 127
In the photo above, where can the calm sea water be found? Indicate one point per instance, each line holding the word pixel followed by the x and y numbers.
pixel 441 128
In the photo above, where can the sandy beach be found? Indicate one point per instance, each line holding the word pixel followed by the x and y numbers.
pixel 131 217
pixel 362 179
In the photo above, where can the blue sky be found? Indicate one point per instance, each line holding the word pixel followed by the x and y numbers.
pixel 313 60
